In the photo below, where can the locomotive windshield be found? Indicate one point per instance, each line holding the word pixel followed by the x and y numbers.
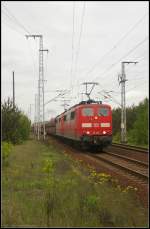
pixel 103 111
pixel 87 112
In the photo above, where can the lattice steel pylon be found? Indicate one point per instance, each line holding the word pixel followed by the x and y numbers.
pixel 122 79
pixel 35 116
pixel 40 98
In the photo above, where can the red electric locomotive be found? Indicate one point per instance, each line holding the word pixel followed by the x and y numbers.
pixel 88 123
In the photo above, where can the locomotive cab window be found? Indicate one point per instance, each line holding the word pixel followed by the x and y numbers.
pixel 65 117
pixel 87 112
pixel 103 111
pixel 72 116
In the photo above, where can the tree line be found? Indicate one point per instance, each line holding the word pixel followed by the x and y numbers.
pixel 16 128
pixel 15 124
pixel 137 123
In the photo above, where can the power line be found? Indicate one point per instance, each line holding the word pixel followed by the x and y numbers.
pixel 57 96
pixel 12 17
pixel 139 60
pixel 72 44
pixel 8 16
pixel 131 50
pixel 80 35
pixel 110 83
pixel 14 29
pixel 137 79
pixel 117 44
pixel 111 98
pixel 130 89
pixel 15 19
pixel 111 66
pixel 137 73
pixel 7 21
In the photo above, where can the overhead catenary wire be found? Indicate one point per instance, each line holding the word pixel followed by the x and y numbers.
pixel 117 44
pixel 73 50
pixel 79 41
pixel 12 27
pixel 118 61
pixel 9 21
pixel 130 89
pixel 15 19
pixel 71 71
pixel 53 99
pixel 79 49
pixel 136 79
pixel 127 71
pixel 9 17
pixel 112 99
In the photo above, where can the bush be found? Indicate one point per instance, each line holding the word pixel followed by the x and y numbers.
pixel 15 125
pixel 116 137
pixel 137 123
pixel 6 150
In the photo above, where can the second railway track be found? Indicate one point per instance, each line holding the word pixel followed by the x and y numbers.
pixel 130 166
pixel 130 147
pixel 128 159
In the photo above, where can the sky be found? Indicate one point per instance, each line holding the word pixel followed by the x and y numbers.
pixel 87 41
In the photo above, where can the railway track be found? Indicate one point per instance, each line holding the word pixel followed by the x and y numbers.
pixel 129 167
pixel 134 168
pixel 130 147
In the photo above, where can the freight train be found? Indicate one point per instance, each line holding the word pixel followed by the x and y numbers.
pixel 88 124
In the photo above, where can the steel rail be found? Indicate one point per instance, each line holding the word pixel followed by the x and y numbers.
pixel 130 147
pixel 128 159
pixel 130 171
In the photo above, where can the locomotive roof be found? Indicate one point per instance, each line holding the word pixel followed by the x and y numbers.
pixel 88 102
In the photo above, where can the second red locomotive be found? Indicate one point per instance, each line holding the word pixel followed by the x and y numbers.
pixel 88 123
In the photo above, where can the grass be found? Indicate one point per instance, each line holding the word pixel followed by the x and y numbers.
pixel 43 187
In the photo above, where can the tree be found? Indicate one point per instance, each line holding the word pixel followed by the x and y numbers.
pixel 139 133
pixel 15 125
pixel 137 123
pixel 116 118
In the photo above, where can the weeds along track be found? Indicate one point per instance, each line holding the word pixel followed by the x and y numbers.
pixel 134 169
pixel 127 170
pixel 130 147
pixel 114 165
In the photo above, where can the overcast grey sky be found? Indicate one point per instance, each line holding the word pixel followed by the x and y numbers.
pixel 109 32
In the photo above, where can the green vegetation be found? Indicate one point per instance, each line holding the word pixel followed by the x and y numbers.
pixel 137 124
pixel 44 187
pixel 15 125
pixel 6 150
